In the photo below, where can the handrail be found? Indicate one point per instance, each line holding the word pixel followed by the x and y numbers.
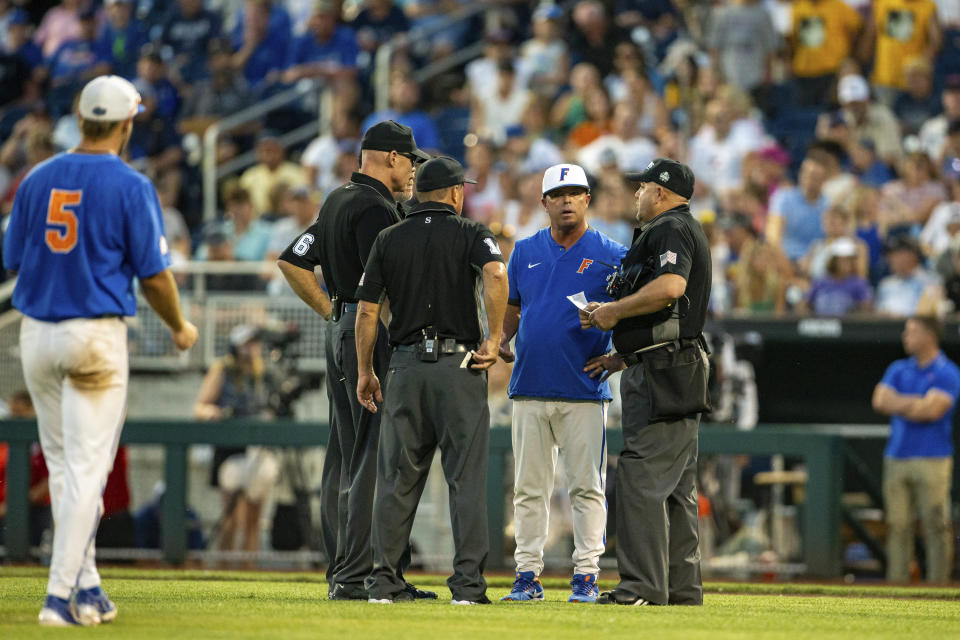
pixel 250 114
pixel 381 65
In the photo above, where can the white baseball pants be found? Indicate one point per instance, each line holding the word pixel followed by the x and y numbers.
pixel 77 374
pixel 542 429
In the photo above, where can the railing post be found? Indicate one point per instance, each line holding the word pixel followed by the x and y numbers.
pixel 17 521
pixel 174 528
pixel 210 137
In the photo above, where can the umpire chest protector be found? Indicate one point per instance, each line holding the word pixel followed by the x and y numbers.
pixel 673 242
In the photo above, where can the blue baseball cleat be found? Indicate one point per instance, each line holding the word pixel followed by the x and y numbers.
pixel 585 588
pixel 56 612
pixel 94 607
pixel 526 587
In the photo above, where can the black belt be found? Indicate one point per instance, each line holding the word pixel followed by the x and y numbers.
pixel 447 346
pixel 636 357
pixel 339 307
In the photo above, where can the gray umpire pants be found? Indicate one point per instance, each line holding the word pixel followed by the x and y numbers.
pixel 426 405
pixel 658 552
pixel 350 464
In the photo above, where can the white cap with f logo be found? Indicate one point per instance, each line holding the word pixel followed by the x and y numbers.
pixel 564 175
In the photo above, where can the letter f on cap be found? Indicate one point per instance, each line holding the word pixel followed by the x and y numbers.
pixel 563 173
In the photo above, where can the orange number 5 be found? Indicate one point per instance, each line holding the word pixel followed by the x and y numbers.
pixel 62 240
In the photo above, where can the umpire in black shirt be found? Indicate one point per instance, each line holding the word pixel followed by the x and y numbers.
pixel 339 242
pixel 431 267
pixel 661 295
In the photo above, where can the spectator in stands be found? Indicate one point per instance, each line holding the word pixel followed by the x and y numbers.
pixel 837 225
pixel 186 36
pixel 261 42
pixel 451 113
pixel 633 152
pixel 933 133
pixel 841 289
pixel 597 123
pixel 794 223
pixel 869 119
pixel 319 159
pixel 17 40
pixel 524 152
pixel 247 233
pixel 482 73
pixel 546 54
pixel 950 263
pixel 216 246
pixel 60 24
pixel 404 108
pixel 832 155
pixel 910 288
pixel 919 394
pixel 916 103
pixel 866 164
pixel 174 226
pixel 609 213
pixel 483 199
pixel 225 91
pixel 37 146
pixel 909 200
pixel 493 113
pixel 943 224
pixel 864 203
pixel 742 43
pixel 237 386
pixel 377 23
pixel 760 286
pixel 154 145
pixel 900 30
pixel 593 36
pixel 524 215
pixel 327 50
pixel 122 37
pixel 272 167
pixel 570 110
pixel 823 35
pixel 75 62
pixel 717 151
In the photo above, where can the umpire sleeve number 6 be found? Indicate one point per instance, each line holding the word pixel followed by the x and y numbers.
pixel 303 244
pixel 63 237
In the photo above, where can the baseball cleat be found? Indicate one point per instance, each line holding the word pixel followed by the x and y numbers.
pixel 526 587
pixel 348 592
pixel 618 596
pixel 57 612
pixel 481 600
pixel 584 588
pixel 94 607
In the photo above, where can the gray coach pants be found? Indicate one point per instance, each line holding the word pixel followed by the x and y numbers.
pixel 426 405
pixel 350 463
pixel 658 553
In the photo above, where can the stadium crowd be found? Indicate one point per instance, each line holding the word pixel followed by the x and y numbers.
pixel 824 134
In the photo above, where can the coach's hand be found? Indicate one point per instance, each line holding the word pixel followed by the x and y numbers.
pixel 368 391
pixel 505 352
pixel 186 336
pixel 607 364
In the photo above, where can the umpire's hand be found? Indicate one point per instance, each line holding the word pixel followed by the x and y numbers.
pixel 368 390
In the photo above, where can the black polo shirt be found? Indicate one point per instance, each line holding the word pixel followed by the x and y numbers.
pixel 340 239
pixel 673 242
pixel 429 266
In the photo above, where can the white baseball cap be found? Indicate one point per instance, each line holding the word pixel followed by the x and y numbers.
pixel 843 248
pixel 109 99
pixel 853 88
pixel 564 175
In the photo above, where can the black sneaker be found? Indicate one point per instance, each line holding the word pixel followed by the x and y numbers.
pixel 619 596
pixel 403 596
pixel 348 592
pixel 418 594
pixel 481 600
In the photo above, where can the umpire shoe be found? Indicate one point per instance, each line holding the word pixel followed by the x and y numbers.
pixel 526 587
pixel 57 612
pixel 481 600
pixel 348 592
pixel 402 596
pixel 418 594
pixel 584 587
pixel 619 596
pixel 94 607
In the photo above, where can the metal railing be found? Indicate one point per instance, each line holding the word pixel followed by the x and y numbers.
pixel 212 172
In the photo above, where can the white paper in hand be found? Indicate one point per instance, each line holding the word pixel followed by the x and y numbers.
pixel 579 300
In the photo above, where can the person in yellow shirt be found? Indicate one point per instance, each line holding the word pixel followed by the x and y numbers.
pixel 823 35
pixel 272 167
pixel 900 30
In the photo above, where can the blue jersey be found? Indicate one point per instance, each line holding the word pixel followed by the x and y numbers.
pixel 922 439
pixel 551 347
pixel 82 227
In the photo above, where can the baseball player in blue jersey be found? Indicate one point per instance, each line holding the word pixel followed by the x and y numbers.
pixel 83 226
pixel 558 406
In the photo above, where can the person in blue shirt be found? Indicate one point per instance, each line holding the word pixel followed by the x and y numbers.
pixel 122 37
pixel 261 42
pixel 186 34
pixel 559 406
pixel 919 394
pixel 327 50
pixel 73 64
pixel 404 98
pixel 84 225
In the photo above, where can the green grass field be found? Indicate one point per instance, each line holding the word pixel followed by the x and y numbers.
pixel 202 604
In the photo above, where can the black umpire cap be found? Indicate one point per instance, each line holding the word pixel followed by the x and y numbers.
pixel 392 136
pixel 440 172
pixel 669 174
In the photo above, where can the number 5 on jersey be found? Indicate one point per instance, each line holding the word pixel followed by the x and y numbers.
pixel 62 238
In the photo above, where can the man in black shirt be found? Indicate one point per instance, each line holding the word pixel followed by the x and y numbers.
pixel 430 267
pixel 657 320
pixel 339 242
